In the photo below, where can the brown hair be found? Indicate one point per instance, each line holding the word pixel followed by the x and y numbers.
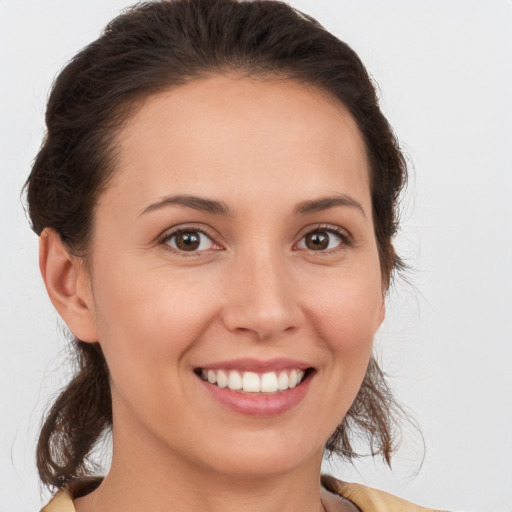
pixel 153 47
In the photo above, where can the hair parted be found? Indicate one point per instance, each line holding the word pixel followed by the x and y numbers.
pixel 153 47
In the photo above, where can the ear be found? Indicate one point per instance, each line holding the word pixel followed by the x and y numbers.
pixel 68 285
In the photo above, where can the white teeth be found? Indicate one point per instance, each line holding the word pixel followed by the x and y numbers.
pixel 282 381
pixel 292 379
pixel 234 381
pixel 212 377
pixel 269 382
pixel 222 379
pixel 252 382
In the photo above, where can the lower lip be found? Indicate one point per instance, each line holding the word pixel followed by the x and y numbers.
pixel 259 404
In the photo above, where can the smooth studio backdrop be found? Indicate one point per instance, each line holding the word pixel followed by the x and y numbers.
pixel 444 69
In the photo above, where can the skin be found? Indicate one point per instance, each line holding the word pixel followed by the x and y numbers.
pixel 254 289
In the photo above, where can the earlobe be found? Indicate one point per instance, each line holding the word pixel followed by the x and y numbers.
pixel 67 285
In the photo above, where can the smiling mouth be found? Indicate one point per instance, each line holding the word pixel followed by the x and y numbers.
pixel 252 382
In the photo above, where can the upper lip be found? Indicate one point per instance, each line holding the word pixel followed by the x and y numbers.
pixel 257 365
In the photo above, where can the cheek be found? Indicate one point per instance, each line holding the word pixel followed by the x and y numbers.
pixel 346 315
pixel 348 311
pixel 150 317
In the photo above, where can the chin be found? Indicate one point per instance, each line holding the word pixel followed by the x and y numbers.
pixel 264 457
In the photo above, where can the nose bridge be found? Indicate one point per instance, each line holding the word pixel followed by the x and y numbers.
pixel 261 298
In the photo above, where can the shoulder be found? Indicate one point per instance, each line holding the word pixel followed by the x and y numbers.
pixel 63 500
pixel 368 499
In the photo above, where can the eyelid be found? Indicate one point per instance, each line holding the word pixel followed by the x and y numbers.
pixel 346 238
pixel 165 236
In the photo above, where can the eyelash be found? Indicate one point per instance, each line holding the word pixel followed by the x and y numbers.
pixel 344 237
pixel 167 237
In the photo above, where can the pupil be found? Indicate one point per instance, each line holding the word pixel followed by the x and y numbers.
pixel 317 241
pixel 188 241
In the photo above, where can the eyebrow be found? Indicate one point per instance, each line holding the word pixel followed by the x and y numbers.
pixel 221 208
pixel 197 203
pixel 324 203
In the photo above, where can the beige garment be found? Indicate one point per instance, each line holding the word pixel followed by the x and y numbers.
pixel 368 499
pixel 333 495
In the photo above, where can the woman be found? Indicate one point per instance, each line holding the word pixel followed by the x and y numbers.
pixel 216 200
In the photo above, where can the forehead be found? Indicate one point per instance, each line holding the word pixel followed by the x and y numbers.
pixel 222 135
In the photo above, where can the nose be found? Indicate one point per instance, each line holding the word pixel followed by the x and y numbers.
pixel 261 299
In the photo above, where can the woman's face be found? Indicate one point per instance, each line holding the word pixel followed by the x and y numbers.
pixel 235 243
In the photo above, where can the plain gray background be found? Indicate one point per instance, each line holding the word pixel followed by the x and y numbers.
pixel 444 68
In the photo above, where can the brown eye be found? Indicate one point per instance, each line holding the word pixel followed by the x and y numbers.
pixel 321 240
pixel 187 241
pixel 317 241
pixel 190 241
